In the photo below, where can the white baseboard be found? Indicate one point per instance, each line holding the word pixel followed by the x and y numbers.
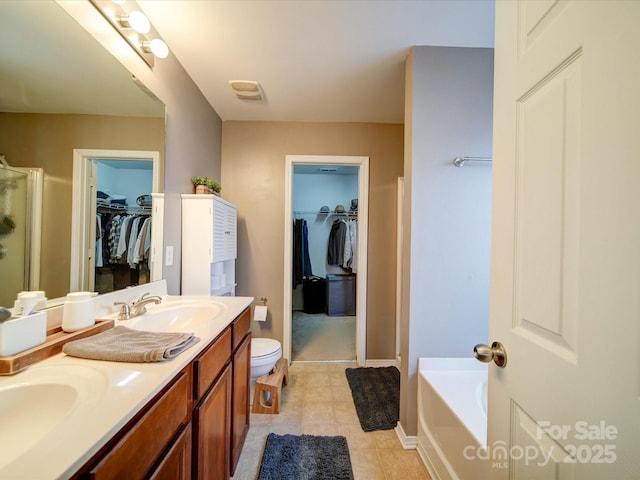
pixel 408 442
pixel 382 363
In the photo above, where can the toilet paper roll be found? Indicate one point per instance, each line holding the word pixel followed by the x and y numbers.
pixel 260 313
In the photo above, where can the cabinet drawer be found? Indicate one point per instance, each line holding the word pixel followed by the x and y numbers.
pixel 211 362
pixel 136 452
pixel 241 326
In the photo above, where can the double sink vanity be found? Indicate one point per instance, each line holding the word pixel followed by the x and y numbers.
pixel 185 417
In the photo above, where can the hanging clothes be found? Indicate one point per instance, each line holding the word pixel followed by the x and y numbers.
pixel 301 258
pixel 342 249
pixel 297 254
pixel 352 239
pixel 335 248
pixel 122 239
pixel 99 235
pixel 306 259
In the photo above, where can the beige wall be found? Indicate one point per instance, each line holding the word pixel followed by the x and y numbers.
pixel 253 176
pixel 48 141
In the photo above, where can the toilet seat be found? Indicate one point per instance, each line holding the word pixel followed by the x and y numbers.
pixel 265 352
pixel 264 347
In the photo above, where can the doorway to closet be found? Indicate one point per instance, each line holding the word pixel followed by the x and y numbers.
pixel 325 258
pixel 112 217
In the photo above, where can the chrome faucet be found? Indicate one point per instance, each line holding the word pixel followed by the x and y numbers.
pixel 137 307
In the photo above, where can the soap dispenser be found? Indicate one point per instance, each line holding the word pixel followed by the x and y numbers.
pixel 77 311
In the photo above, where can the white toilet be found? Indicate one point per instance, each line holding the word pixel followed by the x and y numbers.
pixel 265 352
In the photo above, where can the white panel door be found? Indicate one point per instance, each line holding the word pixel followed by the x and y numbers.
pixel 565 280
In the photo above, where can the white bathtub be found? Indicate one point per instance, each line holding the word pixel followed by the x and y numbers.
pixel 452 417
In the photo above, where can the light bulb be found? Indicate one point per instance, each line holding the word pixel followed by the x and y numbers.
pixel 139 22
pixel 159 48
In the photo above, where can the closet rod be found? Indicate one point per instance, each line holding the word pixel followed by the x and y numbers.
pixel 123 209
pixel 460 161
pixel 316 212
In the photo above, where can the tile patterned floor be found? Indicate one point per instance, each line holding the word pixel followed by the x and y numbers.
pixel 317 401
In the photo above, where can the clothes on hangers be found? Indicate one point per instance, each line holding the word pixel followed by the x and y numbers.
pixel 122 239
pixel 301 259
pixel 337 236
pixel 351 246
pixel 342 245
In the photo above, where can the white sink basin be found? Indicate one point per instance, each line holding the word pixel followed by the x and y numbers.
pixel 43 398
pixel 176 316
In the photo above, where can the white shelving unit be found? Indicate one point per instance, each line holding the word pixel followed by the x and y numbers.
pixel 209 245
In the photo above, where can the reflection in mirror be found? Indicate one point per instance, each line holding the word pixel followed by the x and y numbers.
pixel 60 91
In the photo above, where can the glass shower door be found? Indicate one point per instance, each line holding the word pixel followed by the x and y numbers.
pixel 14 221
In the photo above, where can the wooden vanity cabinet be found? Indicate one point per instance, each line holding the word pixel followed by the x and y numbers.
pixel 241 364
pixel 176 464
pixel 195 427
pixel 140 449
pixel 212 411
pixel 212 430
pixel 221 416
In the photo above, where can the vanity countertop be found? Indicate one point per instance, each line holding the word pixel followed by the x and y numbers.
pixel 47 439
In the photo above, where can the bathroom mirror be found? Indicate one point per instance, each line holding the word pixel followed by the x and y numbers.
pixel 60 90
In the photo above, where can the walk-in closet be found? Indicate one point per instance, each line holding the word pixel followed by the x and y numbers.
pixel 123 223
pixel 324 262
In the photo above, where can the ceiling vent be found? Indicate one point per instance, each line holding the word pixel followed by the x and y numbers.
pixel 246 89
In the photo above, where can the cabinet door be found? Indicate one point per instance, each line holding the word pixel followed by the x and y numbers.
pixel 230 233
pixel 240 399
pixel 176 464
pixel 224 232
pixel 212 423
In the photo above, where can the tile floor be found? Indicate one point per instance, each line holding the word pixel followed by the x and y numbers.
pixel 317 401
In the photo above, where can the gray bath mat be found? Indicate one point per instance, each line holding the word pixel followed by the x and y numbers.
pixel 376 395
pixel 305 457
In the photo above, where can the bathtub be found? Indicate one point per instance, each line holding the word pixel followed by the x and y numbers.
pixel 452 417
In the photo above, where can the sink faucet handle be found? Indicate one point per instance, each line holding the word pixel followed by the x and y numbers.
pixel 125 310
pixel 144 295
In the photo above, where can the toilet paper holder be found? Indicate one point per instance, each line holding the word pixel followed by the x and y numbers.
pixel 260 313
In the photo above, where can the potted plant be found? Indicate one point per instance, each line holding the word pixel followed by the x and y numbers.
pixel 203 184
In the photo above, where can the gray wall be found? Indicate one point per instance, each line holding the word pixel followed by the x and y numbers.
pixel 193 128
pixel 448 113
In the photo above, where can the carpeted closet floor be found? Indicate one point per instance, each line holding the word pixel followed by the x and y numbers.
pixel 319 337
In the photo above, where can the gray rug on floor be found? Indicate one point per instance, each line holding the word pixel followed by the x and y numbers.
pixel 376 395
pixel 305 457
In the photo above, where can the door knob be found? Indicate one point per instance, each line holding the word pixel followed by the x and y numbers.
pixel 495 352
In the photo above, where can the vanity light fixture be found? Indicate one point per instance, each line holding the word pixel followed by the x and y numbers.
pixel 157 47
pixel 136 20
pixel 129 21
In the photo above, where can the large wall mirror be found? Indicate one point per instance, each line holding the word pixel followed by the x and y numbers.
pixel 60 92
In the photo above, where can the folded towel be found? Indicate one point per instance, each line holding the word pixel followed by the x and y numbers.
pixel 122 344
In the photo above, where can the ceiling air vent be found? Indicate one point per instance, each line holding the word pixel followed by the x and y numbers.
pixel 246 89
